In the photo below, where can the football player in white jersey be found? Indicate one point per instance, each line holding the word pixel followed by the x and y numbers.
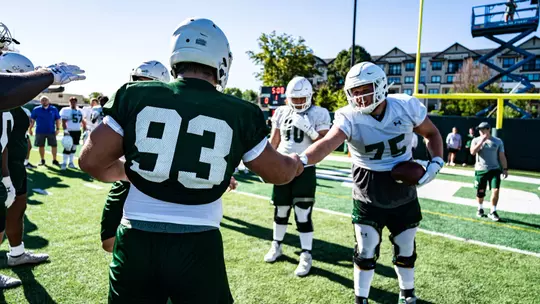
pixel 72 120
pixel 379 130
pixel 296 126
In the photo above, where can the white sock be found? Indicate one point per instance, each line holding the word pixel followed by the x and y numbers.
pixel 405 277
pixel 306 240
pixel 480 206
pixel 17 250
pixel 362 281
pixel 26 162
pixel 493 209
pixel 66 158
pixel 279 232
pixel 72 155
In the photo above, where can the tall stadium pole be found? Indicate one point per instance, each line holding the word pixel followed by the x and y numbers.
pixel 353 34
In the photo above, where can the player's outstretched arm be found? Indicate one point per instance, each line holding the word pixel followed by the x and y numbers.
pixel 274 167
pixel 320 149
pixel 18 89
pixel 100 155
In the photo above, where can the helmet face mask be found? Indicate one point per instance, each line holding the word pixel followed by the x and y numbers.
pixel 297 89
pixel 366 87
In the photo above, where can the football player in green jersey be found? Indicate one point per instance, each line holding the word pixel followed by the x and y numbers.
pixel 182 141
pixel 112 211
pixel 15 152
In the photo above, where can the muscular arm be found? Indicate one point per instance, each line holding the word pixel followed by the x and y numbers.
pixel 58 126
pixel 64 125
pixel 430 132
pixel 84 125
pixel 477 147
pixel 274 167
pixel 18 89
pixel 31 128
pixel 100 155
pixel 319 150
pixel 275 138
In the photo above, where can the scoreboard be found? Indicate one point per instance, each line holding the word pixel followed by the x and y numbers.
pixel 272 97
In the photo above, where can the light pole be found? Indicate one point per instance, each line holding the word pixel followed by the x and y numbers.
pixel 353 34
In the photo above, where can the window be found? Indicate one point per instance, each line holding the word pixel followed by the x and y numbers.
pixel 534 65
pixel 450 79
pixel 532 77
pixel 422 79
pixel 395 80
pixel 381 65
pixel 409 66
pixel 408 92
pixel 433 91
pixel 409 79
pixel 423 66
pixel 436 79
pixel 394 69
pixel 506 78
pixel 454 66
pixel 508 62
pixel 436 65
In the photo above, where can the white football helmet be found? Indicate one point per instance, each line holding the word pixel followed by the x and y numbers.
pixel 362 74
pixel 299 87
pixel 201 41
pixel 152 69
pixel 11 62
pixel 67 142
pixel 5 37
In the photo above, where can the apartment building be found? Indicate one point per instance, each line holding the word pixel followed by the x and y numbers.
pixel 438 69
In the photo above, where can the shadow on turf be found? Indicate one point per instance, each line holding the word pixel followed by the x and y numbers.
pixel 323 251
pixel 511 221
pixel 38 179
pixel 72 173
pixel 34 292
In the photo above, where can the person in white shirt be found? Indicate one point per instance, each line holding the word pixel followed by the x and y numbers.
pixel 453 143
pixel 72 119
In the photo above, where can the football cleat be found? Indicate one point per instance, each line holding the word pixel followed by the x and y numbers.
pixel 63 167
pixel 305 264
pixel 494 216
pixel 8 282
pixel 27 258
pixel 480 213
pixel 72 166
pixel 274 252
pixel 409 300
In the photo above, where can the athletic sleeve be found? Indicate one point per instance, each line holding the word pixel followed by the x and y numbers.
pixel 116 111
pixel 254 135
pixel 64 114
pixel 417 111
pixel 343 123
pixel 501 146
pixel 323 120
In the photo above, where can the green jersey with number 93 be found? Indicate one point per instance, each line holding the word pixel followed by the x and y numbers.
pixel 182 140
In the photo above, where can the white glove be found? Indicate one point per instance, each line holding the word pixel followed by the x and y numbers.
pixel 64 73
pixel 303 123
pixel 10 191
pixel 432 168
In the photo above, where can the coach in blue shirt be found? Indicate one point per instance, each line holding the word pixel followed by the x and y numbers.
pixel 47 120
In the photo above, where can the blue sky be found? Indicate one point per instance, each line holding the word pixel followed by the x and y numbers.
pixel 108 38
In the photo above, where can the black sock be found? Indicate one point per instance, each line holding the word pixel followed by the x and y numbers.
pixel 407 293
pixel 279 242
pixel 305 250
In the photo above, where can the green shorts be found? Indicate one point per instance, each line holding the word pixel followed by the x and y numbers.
pixel 17 172
pixel 396 219
pixel 149 267
pixel 302 187
pixel 113 209
pixel 485 177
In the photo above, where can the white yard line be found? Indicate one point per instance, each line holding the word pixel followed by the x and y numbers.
pixel 444 235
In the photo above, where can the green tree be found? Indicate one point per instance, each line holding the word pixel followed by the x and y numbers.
pixel 339 68
pixel 329 98
pixel 250 96
pixel 236 92
pixel 282 57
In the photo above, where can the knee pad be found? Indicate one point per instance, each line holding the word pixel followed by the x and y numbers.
pixel 481 193
pixel 302 216
pixel 366 250
pixel 281 215
pixel 404 248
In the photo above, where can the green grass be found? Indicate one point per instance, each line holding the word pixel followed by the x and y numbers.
pixel 66 225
